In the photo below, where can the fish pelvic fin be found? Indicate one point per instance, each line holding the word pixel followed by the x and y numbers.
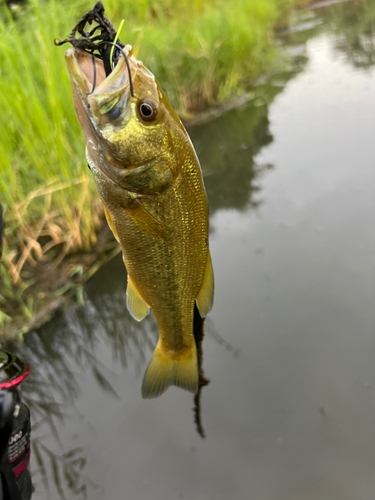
pixel 134 302
pixel 206 294
pixel 167 368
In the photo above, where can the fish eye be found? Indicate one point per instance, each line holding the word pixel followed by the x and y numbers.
pixel 147 110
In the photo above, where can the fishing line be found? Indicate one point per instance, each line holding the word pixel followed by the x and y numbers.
pixel 126 61
pixel 94 69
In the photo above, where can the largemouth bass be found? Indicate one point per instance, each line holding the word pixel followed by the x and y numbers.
pixel 149 179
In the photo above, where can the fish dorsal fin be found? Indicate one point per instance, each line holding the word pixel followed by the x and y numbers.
pixel 110 223
pixel 206 295
pixel 146 222
pixel 134 302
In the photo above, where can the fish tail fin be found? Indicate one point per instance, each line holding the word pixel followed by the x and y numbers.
pixel 167 369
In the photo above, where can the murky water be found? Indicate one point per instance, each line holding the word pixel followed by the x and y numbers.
pixel 290 344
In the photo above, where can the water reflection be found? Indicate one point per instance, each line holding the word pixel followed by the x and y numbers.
pixel 354 26
pixel 228 145
pixel 351 23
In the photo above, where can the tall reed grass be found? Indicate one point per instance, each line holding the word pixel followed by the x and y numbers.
pixel 202 52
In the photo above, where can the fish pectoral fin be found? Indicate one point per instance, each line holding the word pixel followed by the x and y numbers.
pixel 110 223
pixel 165 370
pixel 134 302
pixel 206 295
pixel 146 221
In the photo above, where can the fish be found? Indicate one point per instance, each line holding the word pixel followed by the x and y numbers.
pixel 150 181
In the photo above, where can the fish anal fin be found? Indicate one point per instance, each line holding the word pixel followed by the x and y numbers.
pixel 206 294
pixel 146 222
pixel 110 223
pixel 166 369
pixel 134 302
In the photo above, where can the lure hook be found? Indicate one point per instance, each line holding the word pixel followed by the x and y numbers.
pixel 126 61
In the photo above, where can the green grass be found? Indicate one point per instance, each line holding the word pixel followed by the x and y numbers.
pixel 203 52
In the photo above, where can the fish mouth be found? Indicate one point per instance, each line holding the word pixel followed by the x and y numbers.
pixel 89 78
pixel 95 94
